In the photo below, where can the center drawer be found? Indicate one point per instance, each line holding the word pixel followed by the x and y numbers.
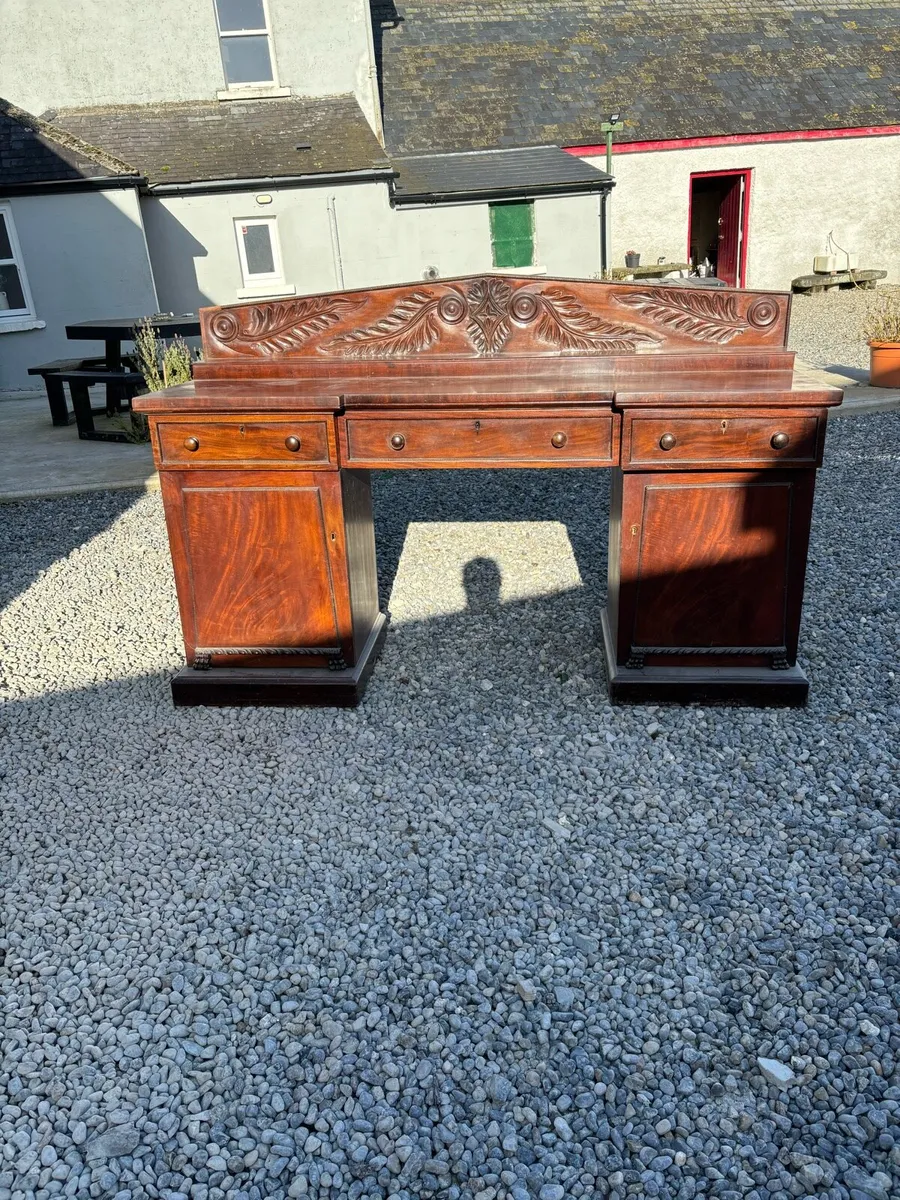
pixel 196 443
pixel 543 438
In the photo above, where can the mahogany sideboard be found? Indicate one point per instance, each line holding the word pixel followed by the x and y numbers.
pixel 688 394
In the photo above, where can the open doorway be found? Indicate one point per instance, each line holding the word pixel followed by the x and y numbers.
pixel 717 223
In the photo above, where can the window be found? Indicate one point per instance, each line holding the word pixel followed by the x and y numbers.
pixel 512 234
pixel 258 250
pixel 15 298
pixel 245 42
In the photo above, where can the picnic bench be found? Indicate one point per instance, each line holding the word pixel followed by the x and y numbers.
pixel 120 388
pixel 50 373
pixel 813 284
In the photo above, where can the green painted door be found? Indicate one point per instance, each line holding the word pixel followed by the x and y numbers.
pixel 512 234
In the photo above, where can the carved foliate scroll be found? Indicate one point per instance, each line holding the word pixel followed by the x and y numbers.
pixel 488 315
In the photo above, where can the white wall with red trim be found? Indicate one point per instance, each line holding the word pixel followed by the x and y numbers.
pixel 800 190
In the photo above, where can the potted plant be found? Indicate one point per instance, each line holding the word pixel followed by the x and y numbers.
pixel 632 258
pixel 881 329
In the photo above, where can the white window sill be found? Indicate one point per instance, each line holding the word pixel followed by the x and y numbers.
pixel 20 324
pixel 267 293
pixel 518 271
pixel 260 91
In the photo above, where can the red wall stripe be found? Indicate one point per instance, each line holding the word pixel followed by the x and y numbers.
pixel 736 139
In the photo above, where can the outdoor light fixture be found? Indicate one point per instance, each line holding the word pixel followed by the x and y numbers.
pixel 613 125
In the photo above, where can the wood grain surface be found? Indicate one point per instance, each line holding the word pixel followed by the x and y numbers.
pixel 709 560
pixel 254 443
pixel 480 438
pixel 729 436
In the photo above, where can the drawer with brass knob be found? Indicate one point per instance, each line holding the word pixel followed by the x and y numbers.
pixel 459 438
pixel 701 438
pixel 253 443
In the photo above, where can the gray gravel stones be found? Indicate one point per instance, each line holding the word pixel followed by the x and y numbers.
pixel 826 330
pixel 272 953
pixel 775 1072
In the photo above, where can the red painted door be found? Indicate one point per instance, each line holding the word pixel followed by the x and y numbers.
pixel 729 233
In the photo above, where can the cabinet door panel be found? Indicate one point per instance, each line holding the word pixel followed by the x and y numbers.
pixel 710 562
pixel 259 560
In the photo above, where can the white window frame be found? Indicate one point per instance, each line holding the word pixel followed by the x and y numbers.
pixel 20 317
pixel 266 84
pixel 268 283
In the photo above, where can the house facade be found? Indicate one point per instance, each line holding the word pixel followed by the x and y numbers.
pixel 773 124
pixel 235 149
pixel 71 242
pixel 251 135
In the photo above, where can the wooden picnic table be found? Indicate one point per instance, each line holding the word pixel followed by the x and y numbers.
pixel 116 330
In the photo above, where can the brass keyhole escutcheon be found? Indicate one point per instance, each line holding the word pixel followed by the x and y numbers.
pixel 780 441
pixel 559 440
pixel 667 441
pixel 192 444
pixel 398 441
pixel 724 426
pixel 292 443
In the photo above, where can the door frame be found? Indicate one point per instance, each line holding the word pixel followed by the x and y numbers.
pixel 744 231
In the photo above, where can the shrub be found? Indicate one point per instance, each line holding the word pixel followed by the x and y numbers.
pixel 882 321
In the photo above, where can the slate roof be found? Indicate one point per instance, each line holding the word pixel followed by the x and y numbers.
pixel 239 139
pixel 532 170
pixel 460 75
pixel 32 152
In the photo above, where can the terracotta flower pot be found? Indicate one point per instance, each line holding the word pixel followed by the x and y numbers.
pixel 884 368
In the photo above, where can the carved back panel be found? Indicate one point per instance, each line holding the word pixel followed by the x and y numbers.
pixel 483 316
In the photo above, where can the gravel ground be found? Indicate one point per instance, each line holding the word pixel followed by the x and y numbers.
pixel 825 330
pixel 484 938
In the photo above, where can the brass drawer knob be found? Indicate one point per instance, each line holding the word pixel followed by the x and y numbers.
pixel 667 441
pixel 398 441
pixel 559 440
pixel 292 443
pixel 192 444
pixel 780 441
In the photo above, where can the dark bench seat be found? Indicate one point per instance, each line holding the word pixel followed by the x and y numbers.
pixel 120 387
pixel 50 372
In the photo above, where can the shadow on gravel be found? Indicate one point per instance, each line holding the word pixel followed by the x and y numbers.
pixel 578 499
pixel 34 534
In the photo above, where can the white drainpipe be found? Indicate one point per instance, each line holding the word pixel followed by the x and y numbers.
pixel 335 242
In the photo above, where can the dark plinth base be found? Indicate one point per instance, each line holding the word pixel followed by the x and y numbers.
pixel 704 685
pixel 281 687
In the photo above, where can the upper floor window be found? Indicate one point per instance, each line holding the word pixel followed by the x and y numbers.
pixel 246 42
pixel 15 298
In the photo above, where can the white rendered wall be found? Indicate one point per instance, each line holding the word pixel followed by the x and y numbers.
pixel 195 259
pixel 79 53
pixel 799 191
pixel 85 257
